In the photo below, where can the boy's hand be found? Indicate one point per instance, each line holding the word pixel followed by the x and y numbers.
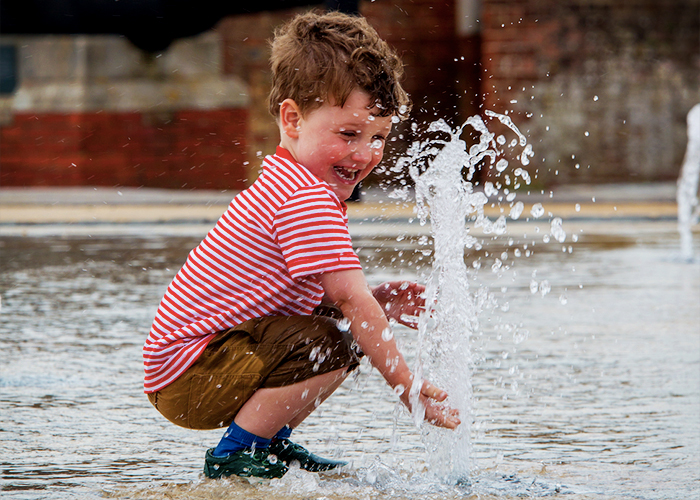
pixel 368 314
pixel 401 301
pixel 437 414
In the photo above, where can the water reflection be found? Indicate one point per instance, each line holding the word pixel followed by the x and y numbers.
pixel 591 390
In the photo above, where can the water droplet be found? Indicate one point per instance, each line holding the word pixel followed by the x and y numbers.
pixel 489 189
pixel 517 210
pixel 537 210
pixel 557 231
pixel 314 352
pixel 387 334
pixel 519 336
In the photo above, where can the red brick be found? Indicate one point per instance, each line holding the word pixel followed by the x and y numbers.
pixel 121 148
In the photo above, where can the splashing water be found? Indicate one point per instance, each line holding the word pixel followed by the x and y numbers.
pixel 445 194
pixel 687 194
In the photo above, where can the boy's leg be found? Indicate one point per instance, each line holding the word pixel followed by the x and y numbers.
pixel 313 345
pixel 270 409
pixel 279 368
pixel 280 408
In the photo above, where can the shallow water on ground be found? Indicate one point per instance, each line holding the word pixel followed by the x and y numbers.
pixel 588 388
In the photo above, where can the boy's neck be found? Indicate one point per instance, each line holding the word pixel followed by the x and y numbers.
pixel 286 154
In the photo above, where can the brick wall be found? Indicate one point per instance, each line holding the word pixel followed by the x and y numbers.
pixel 424 34
pixel 246 54
pixel 97 111
pixel 183 149
pixel 601 87
pixel 95 131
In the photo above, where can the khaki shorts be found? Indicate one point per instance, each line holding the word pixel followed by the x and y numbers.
pixel 264 352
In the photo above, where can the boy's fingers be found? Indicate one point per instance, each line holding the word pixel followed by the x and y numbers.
pixel 430 391
pixel 409 320
pixel 442 416
pixel 447 423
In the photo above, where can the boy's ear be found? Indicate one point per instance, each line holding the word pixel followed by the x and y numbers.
pixel 290 118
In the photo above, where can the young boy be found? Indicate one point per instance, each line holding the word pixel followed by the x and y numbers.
pixel 248 334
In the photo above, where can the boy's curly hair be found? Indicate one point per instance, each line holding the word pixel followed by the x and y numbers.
pixel 317 56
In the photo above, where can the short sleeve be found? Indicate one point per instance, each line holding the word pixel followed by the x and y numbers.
pixel 312 232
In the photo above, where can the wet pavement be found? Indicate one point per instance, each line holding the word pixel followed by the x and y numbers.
pixel 585 370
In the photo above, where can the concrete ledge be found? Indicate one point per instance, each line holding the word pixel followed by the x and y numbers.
pixel 130 205
pixel 208 92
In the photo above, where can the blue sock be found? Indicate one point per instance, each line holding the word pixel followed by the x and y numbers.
pixel 237 439
pixel 283 433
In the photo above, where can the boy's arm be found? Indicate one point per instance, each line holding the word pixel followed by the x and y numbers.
pixel 349 291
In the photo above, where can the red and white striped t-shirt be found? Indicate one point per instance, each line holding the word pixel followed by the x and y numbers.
pixel 262 258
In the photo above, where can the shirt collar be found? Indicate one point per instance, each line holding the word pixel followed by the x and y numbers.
pixel 284 153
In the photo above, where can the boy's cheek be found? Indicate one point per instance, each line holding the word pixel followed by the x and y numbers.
pixel 370 169
pixel 378 155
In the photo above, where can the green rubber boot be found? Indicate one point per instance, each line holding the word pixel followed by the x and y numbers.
pixel 289 452
pixel 245 463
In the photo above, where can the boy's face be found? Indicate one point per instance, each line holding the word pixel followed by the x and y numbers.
pixel 338 145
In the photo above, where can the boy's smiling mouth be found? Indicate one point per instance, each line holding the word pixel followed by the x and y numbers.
pixel 346 174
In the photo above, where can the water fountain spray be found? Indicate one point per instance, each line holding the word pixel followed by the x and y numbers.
pixel 687 194
pixel 442 171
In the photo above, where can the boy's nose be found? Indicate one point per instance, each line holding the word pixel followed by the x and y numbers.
pixel 363 153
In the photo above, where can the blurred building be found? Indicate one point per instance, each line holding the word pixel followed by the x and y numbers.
pixel 606 84
pixel 600 87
